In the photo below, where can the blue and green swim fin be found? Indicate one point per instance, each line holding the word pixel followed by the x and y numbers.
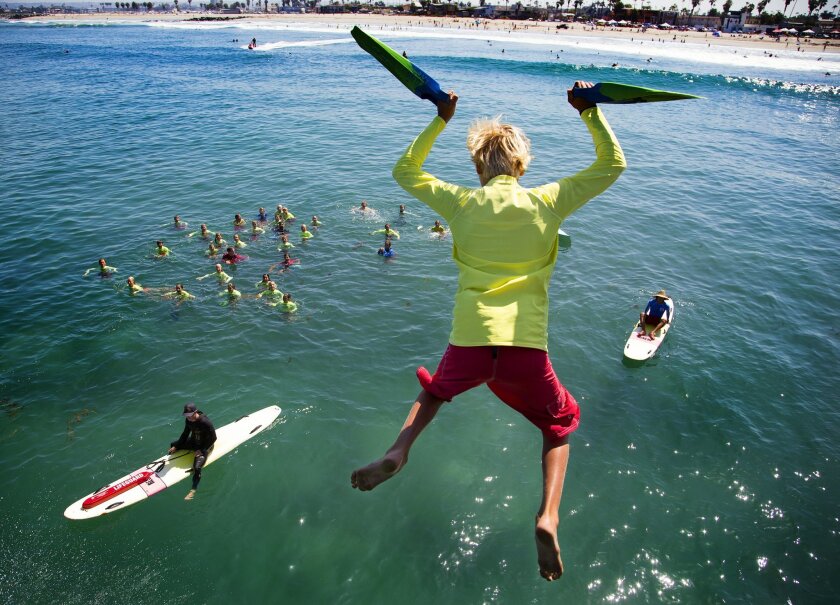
pixel 412 77
pixel 613 92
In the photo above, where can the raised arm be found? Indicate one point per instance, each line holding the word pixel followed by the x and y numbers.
pixel 444 198
pixel 570 193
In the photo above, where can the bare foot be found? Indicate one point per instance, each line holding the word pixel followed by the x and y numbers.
pixel 368 477
pixel 190 495
pixel 548 550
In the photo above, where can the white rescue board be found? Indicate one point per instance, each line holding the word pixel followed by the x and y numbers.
pixel 640 346
pixel 165 472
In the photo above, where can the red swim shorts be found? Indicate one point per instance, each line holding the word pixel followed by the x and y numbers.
pixel 521 377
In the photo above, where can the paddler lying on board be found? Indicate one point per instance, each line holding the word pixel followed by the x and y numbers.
pixel 199 435
pixel 500 321
pixel 656 315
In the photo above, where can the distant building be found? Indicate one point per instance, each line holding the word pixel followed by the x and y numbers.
pixel 734 21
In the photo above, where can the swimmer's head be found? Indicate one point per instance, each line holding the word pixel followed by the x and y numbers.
pixel 285 256
pixel 218 268
pixel 177 219
pixel 218 237
pixel 303 227
pixel 237 217
pixel 498 149
pixel 266 278
pixel 364 205
pixel 262 210
pixel 130 280
pixel 159 244
pixel 231 287
pixel 402 208
pixel 213 248
pixel 387 244
pixel 102 262
pixel 254 224
pixel 272 286
pixel 287 297
pixel 387 226
pixel 179 287
pixel 437 223
pixel 203 228
pixel 236 237
pixel 285 238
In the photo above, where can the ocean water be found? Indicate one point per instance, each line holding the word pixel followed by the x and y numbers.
pixel 707 475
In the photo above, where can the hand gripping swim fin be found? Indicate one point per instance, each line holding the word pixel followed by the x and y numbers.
pixel 613 92
pixel 414 78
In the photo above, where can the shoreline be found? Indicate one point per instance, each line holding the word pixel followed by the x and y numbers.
pixel 807 46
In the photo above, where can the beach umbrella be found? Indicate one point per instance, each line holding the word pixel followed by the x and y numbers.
pixel 412 77
pixel 665 26
pixel 809 31
pixel 613 92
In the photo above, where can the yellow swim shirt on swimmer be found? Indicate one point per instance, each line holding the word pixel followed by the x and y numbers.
pixel 505 237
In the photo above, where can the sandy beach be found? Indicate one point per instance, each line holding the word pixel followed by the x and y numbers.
pixel 377 21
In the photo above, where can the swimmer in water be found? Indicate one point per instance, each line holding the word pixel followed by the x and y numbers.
pixel 262 216
pixel 203 233
pixel 287 306
pixel 231 293
pixel 103 268
pixel 237 241
pixel 256 229
pixel 219 241
pixel 402 209
pixel 363 207
pixel 134 287
pixel 438 228
pixel 387 232
pixel 238 221
pixel 161 251
pixel 315 222
pixel 285 244
pixel 286 263
pixel 219 274
pixel 180 294
pixel 278 214
pixel 287 216
pixel 212 250
pixel 304 233
pixel 280 225
pixel 271 294
pixel 386 251
pixel 263 284
pixel 179 224
pixel 231 257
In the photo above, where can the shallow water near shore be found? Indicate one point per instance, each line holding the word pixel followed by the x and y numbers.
pixel 708 474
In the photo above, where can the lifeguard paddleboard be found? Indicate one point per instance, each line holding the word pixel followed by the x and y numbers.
pixel 640 346
pixel 165 472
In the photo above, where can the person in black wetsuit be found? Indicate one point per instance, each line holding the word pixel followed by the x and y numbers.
pixel 199 435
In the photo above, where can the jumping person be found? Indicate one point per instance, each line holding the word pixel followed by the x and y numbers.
pixel 500 319
pixel 199 435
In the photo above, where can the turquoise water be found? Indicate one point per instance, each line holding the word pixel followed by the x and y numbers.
pixel 707 475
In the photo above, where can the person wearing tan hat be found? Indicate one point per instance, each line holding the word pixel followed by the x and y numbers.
pixel 656 314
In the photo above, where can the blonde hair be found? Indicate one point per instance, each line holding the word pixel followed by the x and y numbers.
pixel 498 148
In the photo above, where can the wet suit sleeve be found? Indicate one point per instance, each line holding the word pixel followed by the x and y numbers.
pixel 442 197
pixel 567 195
pixel 183 438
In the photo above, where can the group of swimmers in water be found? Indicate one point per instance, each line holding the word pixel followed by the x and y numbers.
pixel 267 289
pixel 387 250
